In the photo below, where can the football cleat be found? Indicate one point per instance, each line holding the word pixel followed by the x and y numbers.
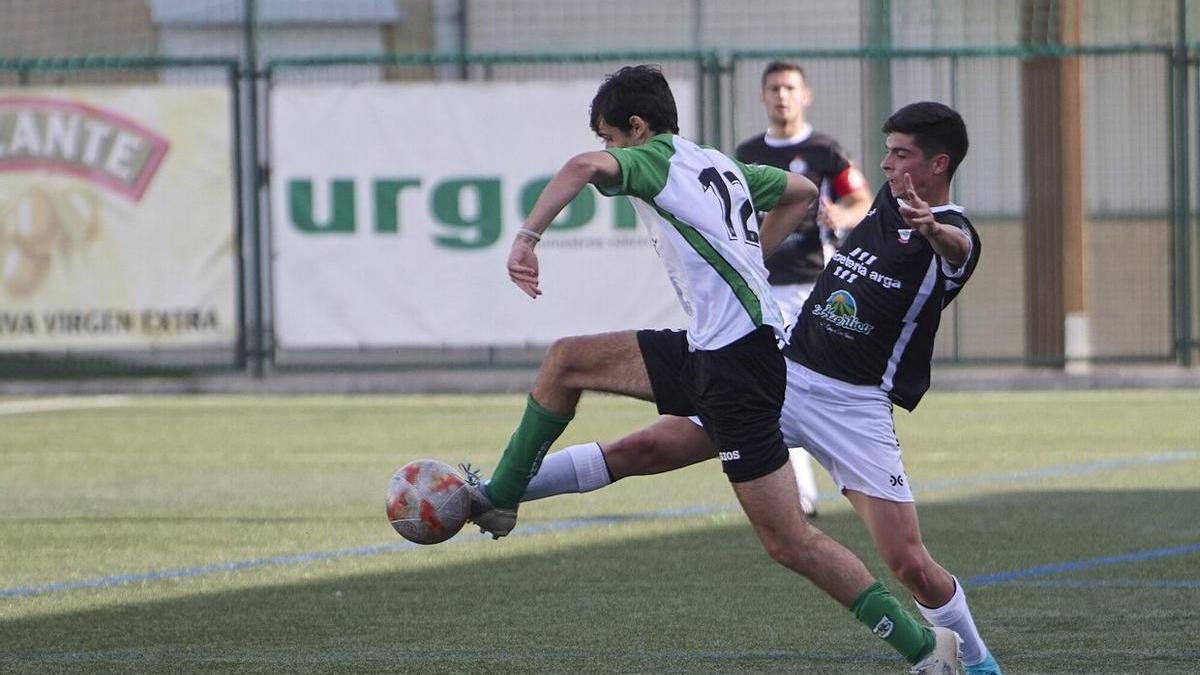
pixel 943 660
pixel 987 667
pixel 490 519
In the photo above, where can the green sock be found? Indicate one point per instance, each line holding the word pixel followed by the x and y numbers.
pixel 880 611
pixel 538 429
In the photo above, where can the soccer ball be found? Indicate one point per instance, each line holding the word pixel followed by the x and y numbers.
pixel 427 501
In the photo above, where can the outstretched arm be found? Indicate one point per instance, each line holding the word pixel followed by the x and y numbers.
pixel 948 242
pixel 789 212
pixel 841 216
pixel 589 167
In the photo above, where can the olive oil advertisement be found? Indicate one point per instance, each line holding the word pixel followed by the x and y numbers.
pixel 116 218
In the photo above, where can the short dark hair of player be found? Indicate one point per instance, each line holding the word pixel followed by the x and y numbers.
pixel 935 128
pixel 635 90
pixel 782 66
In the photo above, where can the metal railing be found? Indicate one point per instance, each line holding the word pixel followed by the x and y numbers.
pixel 1139 153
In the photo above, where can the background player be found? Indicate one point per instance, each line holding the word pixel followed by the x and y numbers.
pixel 791 143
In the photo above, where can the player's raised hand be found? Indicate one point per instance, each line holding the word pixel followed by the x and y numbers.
pixel 915 212
pixel 827 213
pixel 523 267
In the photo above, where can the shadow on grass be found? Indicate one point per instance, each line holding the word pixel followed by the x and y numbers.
pixel 702 601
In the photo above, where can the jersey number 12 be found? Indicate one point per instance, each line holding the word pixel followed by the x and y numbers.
pixel 720 184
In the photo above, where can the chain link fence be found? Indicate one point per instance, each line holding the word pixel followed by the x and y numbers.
pixel 1136 124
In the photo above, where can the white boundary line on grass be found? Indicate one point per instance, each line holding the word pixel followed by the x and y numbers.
pixel 576 523
pixel 60 403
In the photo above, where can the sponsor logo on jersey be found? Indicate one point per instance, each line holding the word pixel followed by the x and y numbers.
pixel 905 235
pixel 729 456
pixel 841 309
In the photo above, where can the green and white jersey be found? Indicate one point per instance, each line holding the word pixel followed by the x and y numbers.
pixel 700 208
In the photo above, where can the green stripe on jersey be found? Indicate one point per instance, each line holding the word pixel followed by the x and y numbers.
pixel 737 283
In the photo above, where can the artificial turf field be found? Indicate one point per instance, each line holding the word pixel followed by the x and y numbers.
pixel 247 535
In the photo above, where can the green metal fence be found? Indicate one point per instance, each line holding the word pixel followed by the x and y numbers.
pixel 1139 129
pixel 1138 273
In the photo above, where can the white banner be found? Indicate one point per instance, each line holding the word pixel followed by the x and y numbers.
pixel 116 218
pixel 394 206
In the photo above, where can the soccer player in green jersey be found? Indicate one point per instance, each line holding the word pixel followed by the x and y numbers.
pixel 726 369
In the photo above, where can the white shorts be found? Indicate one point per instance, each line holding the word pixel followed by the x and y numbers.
pixel 848 428
pixel 790 298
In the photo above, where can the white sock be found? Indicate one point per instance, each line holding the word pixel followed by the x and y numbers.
pixel 806 481
pixel 956 616
pixel 579 468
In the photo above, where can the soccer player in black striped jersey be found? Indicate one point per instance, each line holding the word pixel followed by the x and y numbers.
pixel 863 342
pixel 892 266
pixel 791 143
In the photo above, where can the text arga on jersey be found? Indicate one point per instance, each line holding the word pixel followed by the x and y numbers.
pixel 861 268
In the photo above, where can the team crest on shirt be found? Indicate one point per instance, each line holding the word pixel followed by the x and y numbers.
pixel 798 165
pixel 905 235
pixel 841 310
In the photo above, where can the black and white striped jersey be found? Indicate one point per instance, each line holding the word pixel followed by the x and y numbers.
pixel 876 307
pixel 821 159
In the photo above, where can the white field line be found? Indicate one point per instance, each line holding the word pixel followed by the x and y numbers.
pixel 60 403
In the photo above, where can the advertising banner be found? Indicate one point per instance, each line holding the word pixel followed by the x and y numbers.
pixel 116 218
pixel 394 206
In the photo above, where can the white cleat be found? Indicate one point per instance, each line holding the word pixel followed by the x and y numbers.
pixel 943 660
pixel 490 519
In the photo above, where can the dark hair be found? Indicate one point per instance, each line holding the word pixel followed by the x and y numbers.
pixel 935 129
pixel 780 66
pixel 635 90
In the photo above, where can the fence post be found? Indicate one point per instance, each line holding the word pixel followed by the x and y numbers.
pixel 1055 247
pixel 716 71
pixel 1181 214
pixel 877 75
pixel 234 78
pixel 252 186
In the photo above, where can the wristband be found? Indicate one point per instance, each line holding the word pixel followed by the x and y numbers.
pixel 529 234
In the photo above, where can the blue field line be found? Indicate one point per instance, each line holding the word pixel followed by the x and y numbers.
pixel 1124 584
pixel 1056 471
pixel 1076 565
pixel 299 558
pixel 123 579
pixel 575 523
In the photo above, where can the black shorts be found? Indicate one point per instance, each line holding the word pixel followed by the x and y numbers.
pixel 736 391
